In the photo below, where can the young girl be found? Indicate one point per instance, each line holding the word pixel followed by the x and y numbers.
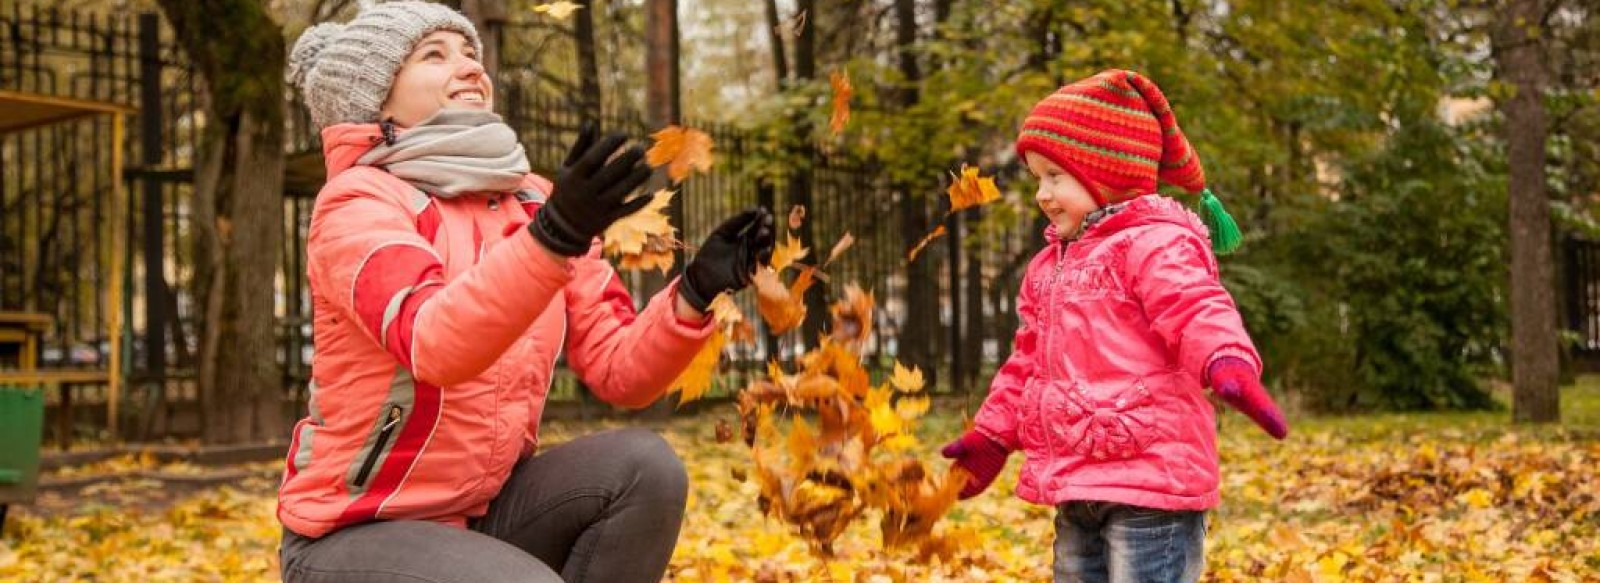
pixel 445 281
pixel 1123 323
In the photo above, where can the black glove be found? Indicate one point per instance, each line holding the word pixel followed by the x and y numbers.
pixel 729 257
pixel 590 193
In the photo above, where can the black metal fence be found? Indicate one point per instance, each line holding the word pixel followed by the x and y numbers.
pixel 54 242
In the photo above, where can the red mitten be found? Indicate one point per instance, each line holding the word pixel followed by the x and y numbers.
pixel 1236 382
pixel 980 456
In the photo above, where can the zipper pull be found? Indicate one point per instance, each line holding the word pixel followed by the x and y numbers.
pixel 394 417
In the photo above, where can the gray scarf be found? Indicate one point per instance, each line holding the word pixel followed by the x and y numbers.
pixel 453 152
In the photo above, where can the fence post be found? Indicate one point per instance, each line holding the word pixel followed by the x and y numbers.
pixel 155 299
pixel 954 351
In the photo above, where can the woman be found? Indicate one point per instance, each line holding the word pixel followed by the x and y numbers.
pixel 446 279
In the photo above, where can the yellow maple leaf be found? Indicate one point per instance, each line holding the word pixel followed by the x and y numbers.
pixel 915 251
pixel 840 80
pixel 681 150
pixel 1476 498
pixel 695 380
pixel 724 311
pixel 909 408
pixel 906 380
pixel 645 239
pixel 968 189
pixel 786 253
pixel 560 10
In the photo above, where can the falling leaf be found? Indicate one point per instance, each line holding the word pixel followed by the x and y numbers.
pixel 968 189
pixel 695 380
pixel 644 239
pixel 852 318
pixel 783 307
pixel 906 380
pixel 797 217
pixel 558 10
pixel 839 248
pixel 725 434
pixel 791 27
pixel 724 311
pixel 681 150
pixel 915 251
pixel 786 253
pixel 840 80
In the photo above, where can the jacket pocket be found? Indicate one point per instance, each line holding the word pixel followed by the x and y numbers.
pixel 388 425
pixel 1110 421
pixel 1030 422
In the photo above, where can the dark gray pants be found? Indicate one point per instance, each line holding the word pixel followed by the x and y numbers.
pixel 603 507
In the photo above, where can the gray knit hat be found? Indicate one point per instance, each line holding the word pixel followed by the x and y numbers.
pixel 344 71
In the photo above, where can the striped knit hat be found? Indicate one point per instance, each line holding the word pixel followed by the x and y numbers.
pixel 1116 133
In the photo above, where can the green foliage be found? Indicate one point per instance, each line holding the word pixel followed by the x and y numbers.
pixel 1412 262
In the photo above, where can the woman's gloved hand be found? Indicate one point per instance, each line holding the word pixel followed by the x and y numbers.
pixel 727 260
pixel 590 193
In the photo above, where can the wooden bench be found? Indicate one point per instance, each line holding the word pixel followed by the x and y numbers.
pixel 66 380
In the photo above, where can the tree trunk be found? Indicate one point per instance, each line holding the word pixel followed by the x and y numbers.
pixel 780 64
pixel 588 61
pixel 920 329
pixel 801 182
pixel 487 16
pixel 976 333
pixel 1535 363
pixel 663 107
pixel 238 213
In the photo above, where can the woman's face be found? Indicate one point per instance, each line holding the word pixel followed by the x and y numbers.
pixel 441 72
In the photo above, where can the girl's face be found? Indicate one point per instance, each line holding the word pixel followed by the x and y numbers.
pixel 1064 200
pixel 441 72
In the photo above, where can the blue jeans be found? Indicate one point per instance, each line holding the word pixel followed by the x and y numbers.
pixel 1106 542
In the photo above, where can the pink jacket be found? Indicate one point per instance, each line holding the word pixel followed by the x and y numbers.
pixel 437 323
pixel 1103 391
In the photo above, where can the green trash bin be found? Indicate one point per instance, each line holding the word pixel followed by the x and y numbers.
pixel 21 428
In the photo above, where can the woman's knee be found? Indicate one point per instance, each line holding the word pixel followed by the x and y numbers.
pixel 653 461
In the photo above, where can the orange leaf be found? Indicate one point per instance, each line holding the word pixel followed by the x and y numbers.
pixel 777 305
pixel 841 100
pixel 797 217
pixel 915 251
pixel 968 189
pixel 839 248
pixel 693 382
pixel 852 318
pixel 681 150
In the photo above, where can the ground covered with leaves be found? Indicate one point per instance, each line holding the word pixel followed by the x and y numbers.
pixel 1444 497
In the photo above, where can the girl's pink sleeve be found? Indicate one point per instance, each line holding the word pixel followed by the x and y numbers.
pixel 1002 409
pixel 1175 277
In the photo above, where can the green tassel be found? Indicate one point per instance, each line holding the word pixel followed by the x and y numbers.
pixel 1225 236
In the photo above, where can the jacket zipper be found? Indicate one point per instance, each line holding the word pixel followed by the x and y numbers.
pixel 377 447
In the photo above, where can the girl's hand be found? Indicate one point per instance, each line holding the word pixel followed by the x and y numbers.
pixel 1236 382
pixel 981 457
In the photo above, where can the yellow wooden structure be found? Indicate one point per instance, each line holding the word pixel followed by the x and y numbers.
pixel 22 111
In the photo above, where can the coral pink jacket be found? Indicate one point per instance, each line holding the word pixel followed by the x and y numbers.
pixel 1104 390
pixel 437 323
